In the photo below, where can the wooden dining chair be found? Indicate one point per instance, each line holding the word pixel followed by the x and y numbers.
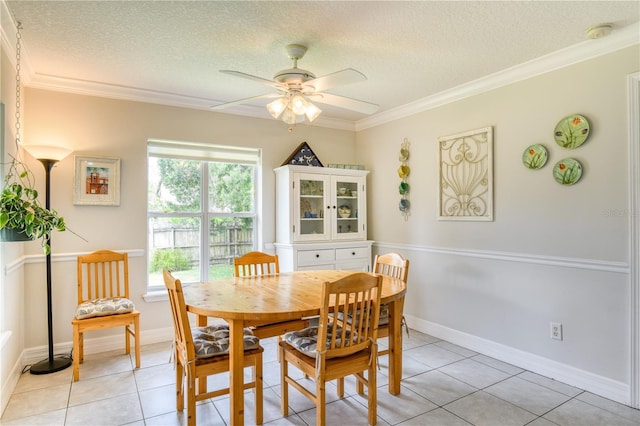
pixel 331 351
pixel 258 263
pixel 392 265
pixel 203 351
pixel 103 302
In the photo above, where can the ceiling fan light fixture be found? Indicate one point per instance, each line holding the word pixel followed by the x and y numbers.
pixel 298 104
pixel 276 107
pixel 288 116
pixel 312 112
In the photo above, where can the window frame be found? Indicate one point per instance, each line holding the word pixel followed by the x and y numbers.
pixel 205 154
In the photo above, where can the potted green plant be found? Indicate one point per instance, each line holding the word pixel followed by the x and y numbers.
pixel 22 217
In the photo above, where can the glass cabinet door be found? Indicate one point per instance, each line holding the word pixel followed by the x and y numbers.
pixel 311 208
pixel 348 224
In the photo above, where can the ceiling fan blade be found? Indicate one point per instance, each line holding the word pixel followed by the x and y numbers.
pixel 255 78
pixel 338 78
pixel 344 102
pixel 245 100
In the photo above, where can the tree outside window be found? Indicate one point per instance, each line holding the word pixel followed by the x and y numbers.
pixel 201 215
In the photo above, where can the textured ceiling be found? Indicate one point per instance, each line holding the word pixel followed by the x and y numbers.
pixel 407 50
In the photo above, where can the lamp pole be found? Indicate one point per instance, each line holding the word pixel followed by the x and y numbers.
pixel 50 365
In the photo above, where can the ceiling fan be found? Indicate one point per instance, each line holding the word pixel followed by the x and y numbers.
pixel 297 87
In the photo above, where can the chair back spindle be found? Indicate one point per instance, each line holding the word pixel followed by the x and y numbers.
pixel 256 263
pixel 350 298
pixel 103 274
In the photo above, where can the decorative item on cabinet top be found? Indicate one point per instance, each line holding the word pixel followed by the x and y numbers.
pixel 303 155
pixel 346 166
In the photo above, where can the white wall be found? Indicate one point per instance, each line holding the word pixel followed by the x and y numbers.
pixel 552 253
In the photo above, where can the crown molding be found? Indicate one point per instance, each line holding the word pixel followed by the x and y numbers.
pixel 8 39
pixel 589 49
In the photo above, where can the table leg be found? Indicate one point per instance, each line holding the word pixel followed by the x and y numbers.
pixel 395 345
pixel 236 373
pixel 201 321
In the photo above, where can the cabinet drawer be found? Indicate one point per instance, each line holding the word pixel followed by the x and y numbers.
pixel 352 253
pixel 316 267
pixel 354 265
pixel 310 257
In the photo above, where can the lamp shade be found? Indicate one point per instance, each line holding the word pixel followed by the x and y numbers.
pixel 47 152
pixel 312 112
pixel 276 107
pixel 298 104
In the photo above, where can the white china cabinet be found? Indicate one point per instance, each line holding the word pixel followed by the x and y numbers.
pixel 321 220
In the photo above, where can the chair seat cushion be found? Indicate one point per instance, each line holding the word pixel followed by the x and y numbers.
pixel 213 340
pixel 306 340
pixel 384 314
pixel 382 320
pixel 103 307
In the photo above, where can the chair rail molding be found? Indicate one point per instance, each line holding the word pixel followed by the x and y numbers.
pixel 565 262
pixel 58 257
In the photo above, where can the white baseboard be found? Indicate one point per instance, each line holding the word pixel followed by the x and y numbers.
pixel 585 380
pixel 9 385
pixel 98 344
pixel 91 346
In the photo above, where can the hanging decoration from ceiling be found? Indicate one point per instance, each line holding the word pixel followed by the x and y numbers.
pixel 403 173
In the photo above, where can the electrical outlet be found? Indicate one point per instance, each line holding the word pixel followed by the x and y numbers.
pixel 556 330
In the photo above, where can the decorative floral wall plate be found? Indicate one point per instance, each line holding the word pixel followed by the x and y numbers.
pixel 403 171
pixel 567 171
pixel 571 131
pixel 403 188
pixel 534 157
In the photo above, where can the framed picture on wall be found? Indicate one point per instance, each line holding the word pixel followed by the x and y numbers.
pixel 465 181
pixel 97 181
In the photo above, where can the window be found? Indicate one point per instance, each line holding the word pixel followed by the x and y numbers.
pixel 201 209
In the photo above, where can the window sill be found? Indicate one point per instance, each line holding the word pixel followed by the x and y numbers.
pixel 155 296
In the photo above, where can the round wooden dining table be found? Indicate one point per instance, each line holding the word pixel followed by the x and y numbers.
pixel 286 296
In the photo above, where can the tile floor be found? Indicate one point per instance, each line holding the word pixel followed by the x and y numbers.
pixel 443 384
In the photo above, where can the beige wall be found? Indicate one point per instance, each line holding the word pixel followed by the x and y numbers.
pixel 552 253
pixel 12 320
pixel 98 126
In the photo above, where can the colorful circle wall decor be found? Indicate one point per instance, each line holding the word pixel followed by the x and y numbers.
pixel 567 171
pixel 403 174
pixel 535 156
pixel 572 131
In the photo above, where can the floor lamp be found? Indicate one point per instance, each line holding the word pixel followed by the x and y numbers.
pixel 48 156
